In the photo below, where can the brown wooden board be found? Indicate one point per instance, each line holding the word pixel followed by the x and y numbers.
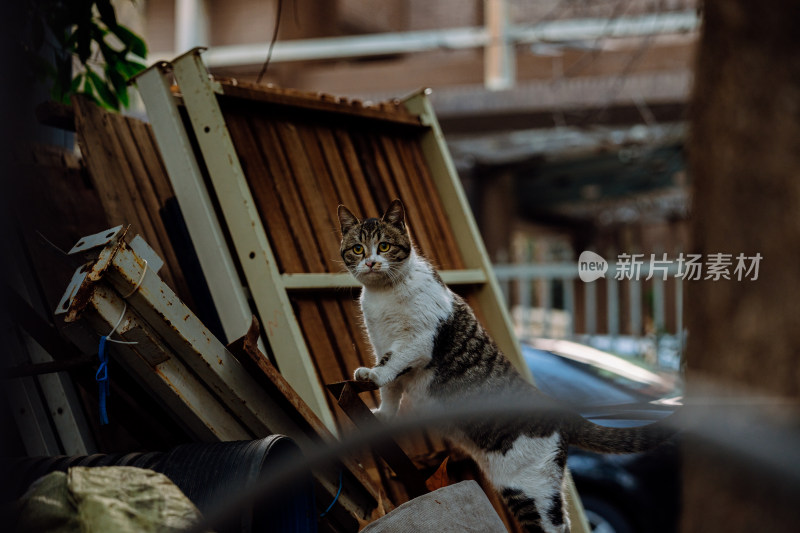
pixel 126 169
pixel 302 160
pixel 318 103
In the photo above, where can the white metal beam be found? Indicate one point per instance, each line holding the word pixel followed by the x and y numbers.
pixel 196 206
pixel 247 232
pixel 556 31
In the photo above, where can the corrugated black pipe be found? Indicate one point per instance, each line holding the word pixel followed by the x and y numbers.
pixel 206 473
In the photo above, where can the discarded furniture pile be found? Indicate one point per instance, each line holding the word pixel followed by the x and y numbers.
pixel 222 208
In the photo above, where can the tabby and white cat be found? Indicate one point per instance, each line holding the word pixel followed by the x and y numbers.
pixel 430 350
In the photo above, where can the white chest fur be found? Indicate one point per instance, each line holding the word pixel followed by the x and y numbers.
pixel 408 312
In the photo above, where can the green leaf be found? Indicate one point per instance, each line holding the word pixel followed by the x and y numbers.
pixel 132 42
pixel 109 54
pixel 77 83
pixel 130 68
pixel 107 97
pixel 120 85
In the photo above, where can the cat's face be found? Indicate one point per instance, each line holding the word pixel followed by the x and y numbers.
pixel 375 250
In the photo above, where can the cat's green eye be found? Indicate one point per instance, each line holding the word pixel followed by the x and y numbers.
pixel 358 249
pixel 384 247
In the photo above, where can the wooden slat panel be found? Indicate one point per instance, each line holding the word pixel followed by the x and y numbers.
pixel 103 164
pixel 139 180
pixel 261 170
pixel 393 183
pixel 426 196
pixel 144 140
pixel 357 173
pixel 309 188
pixel 374 185
pixel 318 103
pixel 124 167
pixel 342 176
pixel 300 166
pixel 419 222
pixel 412 154
pixel 289 197
pixel 314 330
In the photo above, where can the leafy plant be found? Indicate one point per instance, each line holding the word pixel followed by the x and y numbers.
pixel 79 47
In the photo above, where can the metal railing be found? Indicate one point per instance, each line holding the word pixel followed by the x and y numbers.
pixel 550 300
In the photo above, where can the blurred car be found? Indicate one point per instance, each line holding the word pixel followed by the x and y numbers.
pixel 621 493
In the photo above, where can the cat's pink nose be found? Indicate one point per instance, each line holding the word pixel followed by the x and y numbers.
pixel 370 264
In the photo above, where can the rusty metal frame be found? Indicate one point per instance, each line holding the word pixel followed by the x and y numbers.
pixel 196 206
pixel 347 396
pixel 251 246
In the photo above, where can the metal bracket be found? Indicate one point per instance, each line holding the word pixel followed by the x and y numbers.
pixel 96 240
pixel 79 287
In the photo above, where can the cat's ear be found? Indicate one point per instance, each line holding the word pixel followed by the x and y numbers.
pixel 395 215
pixel 347 220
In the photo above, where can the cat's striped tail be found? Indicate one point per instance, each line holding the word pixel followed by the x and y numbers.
pixel 589 436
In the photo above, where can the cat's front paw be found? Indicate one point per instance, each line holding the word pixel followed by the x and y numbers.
pixel 362 374
pixel 383 416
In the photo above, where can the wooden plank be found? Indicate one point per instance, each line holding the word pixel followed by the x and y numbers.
pixel 101 162
pixel 373 186
pixel 112 161
pixel 425 188
pixel 359 352
pixel 418 220
pixel 346 334
pixel 395 457
pixel 289 197
pixel 310 190
pixel 309 187
pixel 317 103
pixel 329 369
pixel 260 171
pixel 335 163
pixel 421 200
pixel 151 156
pixel 330 195
pixel 142 180
pixel 357 172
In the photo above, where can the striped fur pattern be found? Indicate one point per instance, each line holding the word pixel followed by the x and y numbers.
pixel 430 350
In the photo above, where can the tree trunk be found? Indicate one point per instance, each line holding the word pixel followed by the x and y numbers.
pixel 744 155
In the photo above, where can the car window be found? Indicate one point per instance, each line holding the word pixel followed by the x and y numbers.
pixel 580 384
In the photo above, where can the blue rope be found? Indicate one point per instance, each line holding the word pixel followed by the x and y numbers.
pixel 335 497
pixel 101 376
